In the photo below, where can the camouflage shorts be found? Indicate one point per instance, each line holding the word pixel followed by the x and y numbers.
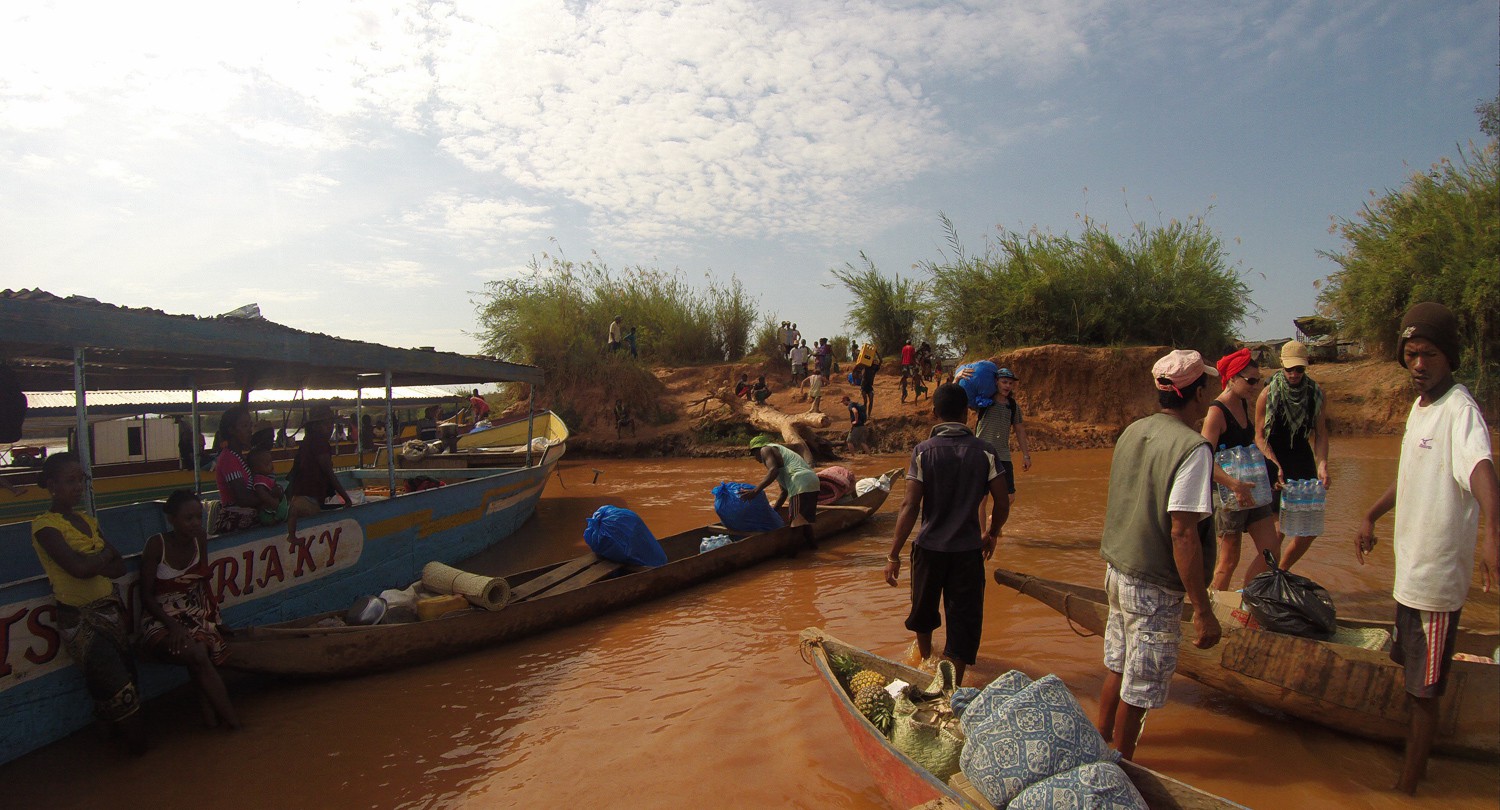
pixel 1141 637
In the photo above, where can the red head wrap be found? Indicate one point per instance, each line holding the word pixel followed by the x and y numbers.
pixel 1232 364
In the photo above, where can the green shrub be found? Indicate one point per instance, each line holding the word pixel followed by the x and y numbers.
pixel 557 315
pixel 886 309
pixel 1435 239
pixel 1164 285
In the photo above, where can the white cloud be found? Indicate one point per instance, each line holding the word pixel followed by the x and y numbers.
pixel 393 274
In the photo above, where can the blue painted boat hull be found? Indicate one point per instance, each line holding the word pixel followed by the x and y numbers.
pixel 260 575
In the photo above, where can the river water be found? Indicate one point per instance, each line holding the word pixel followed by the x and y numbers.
pixel 702 700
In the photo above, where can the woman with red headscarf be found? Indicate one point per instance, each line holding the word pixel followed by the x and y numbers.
pixel 1228 425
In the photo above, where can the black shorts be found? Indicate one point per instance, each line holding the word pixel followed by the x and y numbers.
pixel 1423 644
pixel 1010 475
pixel 956 578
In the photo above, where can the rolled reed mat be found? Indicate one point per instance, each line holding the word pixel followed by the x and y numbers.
pixel 490 593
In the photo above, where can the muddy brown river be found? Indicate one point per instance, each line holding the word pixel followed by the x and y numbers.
pixel 701 699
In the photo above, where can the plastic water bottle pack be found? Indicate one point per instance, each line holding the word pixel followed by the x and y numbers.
pixel 714 541
pixel 1244 464
pixel 1302 507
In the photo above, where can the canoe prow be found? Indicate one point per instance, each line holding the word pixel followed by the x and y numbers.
pixel 906 784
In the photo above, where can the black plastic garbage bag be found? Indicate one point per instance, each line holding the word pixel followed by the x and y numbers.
pixel 1291 604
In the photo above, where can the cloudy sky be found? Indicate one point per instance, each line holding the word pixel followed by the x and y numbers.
pixel 363 168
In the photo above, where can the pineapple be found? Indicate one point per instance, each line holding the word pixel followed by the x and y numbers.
pixel 863 678
pixel 844 667
pixel 876 705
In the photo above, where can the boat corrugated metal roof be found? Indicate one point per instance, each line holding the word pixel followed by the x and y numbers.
pixel 44 403
pixel 140 348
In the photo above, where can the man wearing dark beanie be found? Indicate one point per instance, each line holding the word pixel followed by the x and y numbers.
pixel 1445 479
pixel 1432 322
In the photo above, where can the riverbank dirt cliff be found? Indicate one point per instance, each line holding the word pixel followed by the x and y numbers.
pixel 1071 397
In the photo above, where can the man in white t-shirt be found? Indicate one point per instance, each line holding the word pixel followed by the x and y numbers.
pixel 1445 478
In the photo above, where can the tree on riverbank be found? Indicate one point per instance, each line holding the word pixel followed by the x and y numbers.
pixel 1168 285
pixel 1437 238
pixel 886 309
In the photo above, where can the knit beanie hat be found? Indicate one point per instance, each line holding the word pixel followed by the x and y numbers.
pixel 1434 322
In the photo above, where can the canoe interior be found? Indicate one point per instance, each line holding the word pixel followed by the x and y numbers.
pixel 1344 687
pixel 543 599
pixel 1161 792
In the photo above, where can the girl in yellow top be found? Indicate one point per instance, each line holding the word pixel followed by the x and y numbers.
pixel 80 563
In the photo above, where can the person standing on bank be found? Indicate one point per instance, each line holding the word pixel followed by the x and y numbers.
pixel 799 484
pixel 1445 478
pixel 949 475
pixel 1159 546
pixel 616 333
pixel 1228 425
pixel 1291 429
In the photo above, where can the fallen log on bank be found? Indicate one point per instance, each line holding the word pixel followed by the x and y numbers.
pixel 797 430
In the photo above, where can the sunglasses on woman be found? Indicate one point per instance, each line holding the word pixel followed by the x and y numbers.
pixel 1251 380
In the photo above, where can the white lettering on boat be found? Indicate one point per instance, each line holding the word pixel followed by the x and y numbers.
pixel 30 645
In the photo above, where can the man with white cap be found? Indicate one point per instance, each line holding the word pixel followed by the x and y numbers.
pixel 1159 544
pixel 1444 480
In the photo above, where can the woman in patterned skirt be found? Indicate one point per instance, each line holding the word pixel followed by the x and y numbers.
pixel 181 624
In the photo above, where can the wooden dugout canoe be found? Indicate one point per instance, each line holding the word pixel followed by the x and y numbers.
pixel 1347 688
pixel 905 784
pixel 542 599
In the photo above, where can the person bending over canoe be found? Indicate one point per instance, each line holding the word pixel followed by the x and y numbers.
pixel 948 478
pixel 1159 544
pixel 90 617
pixel 1445 472
pixel 182 618
pixel 799 484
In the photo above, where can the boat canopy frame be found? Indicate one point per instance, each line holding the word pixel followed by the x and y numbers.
pixel 53 343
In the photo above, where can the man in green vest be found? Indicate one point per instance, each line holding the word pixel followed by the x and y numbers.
pixel 1159 544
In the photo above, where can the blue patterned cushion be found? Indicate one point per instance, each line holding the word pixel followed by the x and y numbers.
pixel 1041 730
pixel 1096 786
pixel 962 697
pixel 992 697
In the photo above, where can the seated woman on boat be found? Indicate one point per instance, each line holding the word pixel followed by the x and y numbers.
pixel 238 506
pixel 181 624
pixel 90 617
pixel 313 479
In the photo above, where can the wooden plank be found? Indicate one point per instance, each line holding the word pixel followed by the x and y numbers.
pixel 532 587
pixel 588 576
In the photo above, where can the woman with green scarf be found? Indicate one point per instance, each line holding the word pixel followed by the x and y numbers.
pixel 1291 429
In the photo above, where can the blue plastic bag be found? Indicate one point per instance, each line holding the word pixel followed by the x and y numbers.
pixel 619 535
pixel 754 515
pixel 981 386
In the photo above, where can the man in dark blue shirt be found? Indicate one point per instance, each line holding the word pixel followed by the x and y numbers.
pixel 949 476
pixel 859 438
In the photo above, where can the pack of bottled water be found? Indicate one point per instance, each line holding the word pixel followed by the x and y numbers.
pixel 1302 505
pixel 714 541
pixel 1244 464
